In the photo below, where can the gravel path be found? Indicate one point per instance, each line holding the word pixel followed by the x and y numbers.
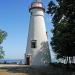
pixel 4 71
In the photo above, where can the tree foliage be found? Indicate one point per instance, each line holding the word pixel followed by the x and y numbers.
pixel 3 35
pixel 63 40
pixel 1 52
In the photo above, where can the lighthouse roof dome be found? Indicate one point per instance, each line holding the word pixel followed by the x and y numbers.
pixel 36 0
pixel 38 5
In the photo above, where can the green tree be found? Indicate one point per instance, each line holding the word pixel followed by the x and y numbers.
pixel 3 35
pixel 46 52
pixel 63 40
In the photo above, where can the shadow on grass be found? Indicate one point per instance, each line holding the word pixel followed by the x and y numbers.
pixel 27 70
pixel 16 69
pixel 37 70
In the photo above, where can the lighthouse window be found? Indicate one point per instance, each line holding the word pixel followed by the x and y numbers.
pixel 33 44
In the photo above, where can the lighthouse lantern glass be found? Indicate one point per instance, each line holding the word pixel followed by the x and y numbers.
pixel 37 0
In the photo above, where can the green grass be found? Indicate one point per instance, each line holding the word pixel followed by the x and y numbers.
pixel 52 69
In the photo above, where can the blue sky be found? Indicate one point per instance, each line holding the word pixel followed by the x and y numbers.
pixel 14 19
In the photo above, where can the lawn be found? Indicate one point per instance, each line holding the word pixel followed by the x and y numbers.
pixel 27 70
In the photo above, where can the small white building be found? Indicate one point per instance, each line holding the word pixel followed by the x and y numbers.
pixel 37 51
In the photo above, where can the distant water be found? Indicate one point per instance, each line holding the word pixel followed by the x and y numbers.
pixel 18 61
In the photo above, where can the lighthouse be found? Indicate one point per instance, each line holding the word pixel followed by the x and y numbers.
pixel 37 50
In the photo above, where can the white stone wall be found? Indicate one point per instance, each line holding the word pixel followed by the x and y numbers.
pixel 37 31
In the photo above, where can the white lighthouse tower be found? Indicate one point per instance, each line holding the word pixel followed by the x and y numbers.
pixel 37 51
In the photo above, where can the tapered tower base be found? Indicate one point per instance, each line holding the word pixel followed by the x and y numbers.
pixel 37 51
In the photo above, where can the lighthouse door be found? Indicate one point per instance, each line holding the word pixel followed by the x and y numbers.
pixel 28 60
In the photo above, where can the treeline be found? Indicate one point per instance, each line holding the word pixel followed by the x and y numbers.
pixel 3 35
pixel 63 40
